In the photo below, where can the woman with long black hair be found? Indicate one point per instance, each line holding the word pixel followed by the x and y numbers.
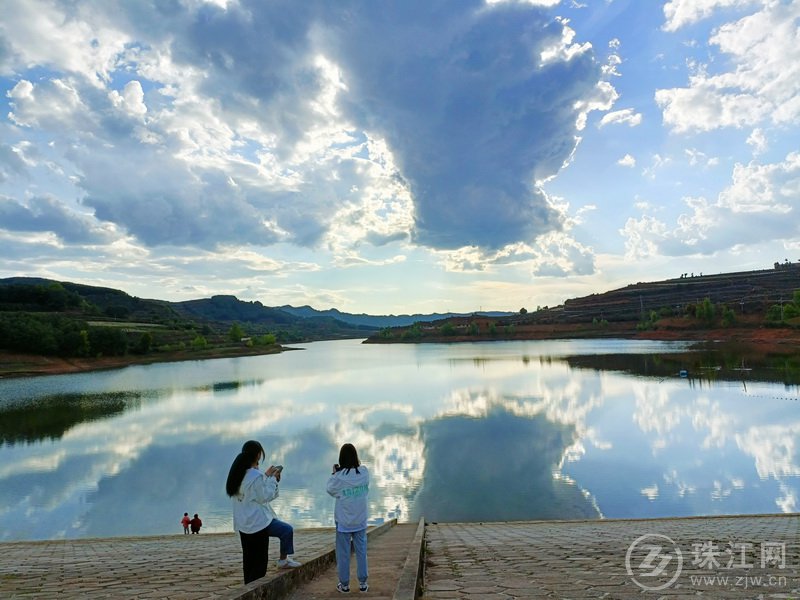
pixel 251 491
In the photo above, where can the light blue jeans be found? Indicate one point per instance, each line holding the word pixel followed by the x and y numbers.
pixel 343 555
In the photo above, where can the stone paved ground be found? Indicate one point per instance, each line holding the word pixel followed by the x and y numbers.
pixel 587 559
pixel 386 555
pixel 173 566
pixel 575 559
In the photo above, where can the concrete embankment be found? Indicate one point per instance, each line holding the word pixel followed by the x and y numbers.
pixel 713 557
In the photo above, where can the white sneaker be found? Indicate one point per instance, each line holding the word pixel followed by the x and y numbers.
pixel 288 563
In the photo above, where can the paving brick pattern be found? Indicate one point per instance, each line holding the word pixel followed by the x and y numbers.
pixel 587 559
pixel 564 560
pixel 176 566
pixel 386 555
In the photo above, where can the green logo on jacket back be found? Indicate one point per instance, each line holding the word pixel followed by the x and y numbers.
pixel 359 490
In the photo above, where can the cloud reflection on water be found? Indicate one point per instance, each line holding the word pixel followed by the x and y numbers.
pixel 552 440
pixel 497 467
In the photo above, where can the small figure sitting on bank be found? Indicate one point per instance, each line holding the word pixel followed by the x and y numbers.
pixel 196 524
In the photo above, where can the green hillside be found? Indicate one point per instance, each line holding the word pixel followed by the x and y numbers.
pixel 768 298
pixel 51 318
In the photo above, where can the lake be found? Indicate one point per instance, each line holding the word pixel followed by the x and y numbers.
pixel 455 432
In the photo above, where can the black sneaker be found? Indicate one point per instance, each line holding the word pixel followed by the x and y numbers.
pixel 340 587
pixel 363 586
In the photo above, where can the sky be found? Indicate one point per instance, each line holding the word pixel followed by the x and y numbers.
pixel 397 157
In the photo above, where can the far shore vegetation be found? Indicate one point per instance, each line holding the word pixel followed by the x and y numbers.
pixel 692 321
pixel 759 306
pixel 51 322
pixel 54 328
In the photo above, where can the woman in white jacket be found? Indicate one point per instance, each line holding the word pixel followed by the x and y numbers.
pixel 349 484
pixel 251 491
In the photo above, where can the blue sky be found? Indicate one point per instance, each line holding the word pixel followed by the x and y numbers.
pixel 397 157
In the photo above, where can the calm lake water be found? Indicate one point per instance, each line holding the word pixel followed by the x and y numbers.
pixel 458 432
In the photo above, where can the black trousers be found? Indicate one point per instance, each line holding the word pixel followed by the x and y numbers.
pixel 255 547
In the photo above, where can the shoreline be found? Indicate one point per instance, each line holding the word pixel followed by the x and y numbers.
pixel 763 339
pixel 327 529
pixel 16 366
pixel 768 339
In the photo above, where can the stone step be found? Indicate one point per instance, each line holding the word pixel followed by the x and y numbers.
pixel 386 556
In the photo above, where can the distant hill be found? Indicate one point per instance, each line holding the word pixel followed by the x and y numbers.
pixel 380 321
pixel 744 291
pixel 99 301
pixel 217 313
pixel 686 307
pixel 229 309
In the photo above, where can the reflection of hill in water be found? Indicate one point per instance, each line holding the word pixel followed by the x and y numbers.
pixel 52 416
pixel 724 364
pixel 497 468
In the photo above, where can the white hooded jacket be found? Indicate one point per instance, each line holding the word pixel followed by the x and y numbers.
pixel 350 488
pixel 251 509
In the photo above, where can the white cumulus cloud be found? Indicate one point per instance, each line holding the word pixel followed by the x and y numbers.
pixel 626 116
pixel 761 85
pixel 679 13
pixel 627 161
pixel 758 140
pixel 761 202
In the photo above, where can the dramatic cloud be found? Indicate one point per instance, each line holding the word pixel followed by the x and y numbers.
pixel 463 107
pixel 344 123
pixel 375 156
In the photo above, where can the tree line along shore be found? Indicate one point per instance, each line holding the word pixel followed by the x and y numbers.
pixel 48 328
